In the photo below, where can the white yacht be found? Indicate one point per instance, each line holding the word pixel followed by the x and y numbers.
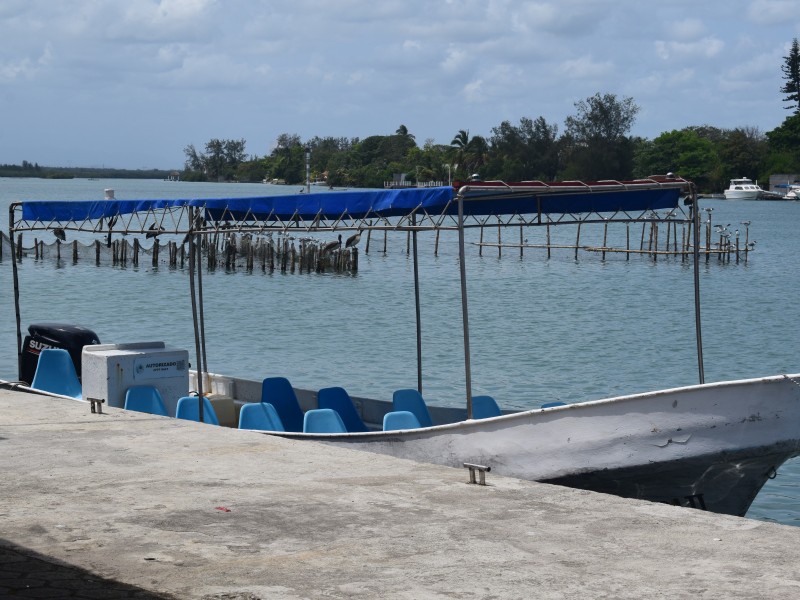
pixel 743 189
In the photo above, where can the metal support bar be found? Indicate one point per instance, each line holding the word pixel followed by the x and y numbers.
pixel 97 405
pixel 464 303
pixel 481 469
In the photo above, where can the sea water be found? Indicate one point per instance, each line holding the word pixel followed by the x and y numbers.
pixel 541 328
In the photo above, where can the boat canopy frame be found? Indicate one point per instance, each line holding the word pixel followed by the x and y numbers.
pixel 457 208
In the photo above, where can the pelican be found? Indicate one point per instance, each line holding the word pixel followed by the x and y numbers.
pixel 111 222
pixel 353 240
pixel 331 246
pixel 60 235
pixel 154 231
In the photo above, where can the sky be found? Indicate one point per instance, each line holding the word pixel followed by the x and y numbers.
pixel 131 83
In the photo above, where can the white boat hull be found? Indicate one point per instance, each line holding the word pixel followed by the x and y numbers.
pixel 742 195
pixel 710 446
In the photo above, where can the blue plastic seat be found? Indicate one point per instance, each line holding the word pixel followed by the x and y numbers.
pixel 279 392
pixel 323 420
pixel 400 419
pixel 189 409
pixel 411 400
pixel 55 373
pixel 339 400
pixel 484 407
pixel 552 404
pixel 146 399
pixel 261 416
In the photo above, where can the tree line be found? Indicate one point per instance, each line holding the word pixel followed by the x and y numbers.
pixel 594 144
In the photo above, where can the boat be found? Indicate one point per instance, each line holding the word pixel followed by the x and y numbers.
pixel 709 445
pixel 743 189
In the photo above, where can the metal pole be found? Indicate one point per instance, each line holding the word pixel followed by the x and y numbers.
pixel 192 260
pixel 464 309
pixel 417 304
pixel 13 249
pixel 201 307
pixel 696 254
pixel 308 169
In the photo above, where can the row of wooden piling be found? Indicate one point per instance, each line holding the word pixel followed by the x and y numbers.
pixel 649 242
pixel 231 253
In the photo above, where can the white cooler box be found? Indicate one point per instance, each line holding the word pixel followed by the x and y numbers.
pixel 110 369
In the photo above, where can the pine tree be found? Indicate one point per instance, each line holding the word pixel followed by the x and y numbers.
pixel 791 73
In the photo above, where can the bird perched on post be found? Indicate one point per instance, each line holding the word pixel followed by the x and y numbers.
pixel 111 222
pixel 353 240
pixel 60 235
pixel 155 229
pixel 331 246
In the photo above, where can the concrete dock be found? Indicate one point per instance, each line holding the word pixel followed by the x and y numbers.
pixel 129 505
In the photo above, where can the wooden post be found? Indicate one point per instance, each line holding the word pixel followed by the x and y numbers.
pixel 480 244
pixel 628 241
pixel 577 240
pixel 35 249
pixel 436 244
pixel 97 252
pixel 74 251
pixel 675 238
pixel 369 235
pixel 548 238
pixel 499 240
pixel 521 241
pixel 385 239
pixel 605 238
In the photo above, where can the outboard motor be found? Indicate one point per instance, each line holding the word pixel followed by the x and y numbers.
pixel 71 338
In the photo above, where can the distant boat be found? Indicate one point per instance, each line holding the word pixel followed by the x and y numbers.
pixel 743 189
pixel 792 191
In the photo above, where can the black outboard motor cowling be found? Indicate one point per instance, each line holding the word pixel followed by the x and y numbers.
pixel 71 338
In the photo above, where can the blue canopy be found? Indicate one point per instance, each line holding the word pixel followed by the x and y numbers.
pixel 374 203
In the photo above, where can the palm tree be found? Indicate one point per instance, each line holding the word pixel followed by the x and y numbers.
pixel 402 131
pixel 460 145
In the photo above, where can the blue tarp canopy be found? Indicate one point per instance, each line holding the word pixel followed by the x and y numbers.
pixel 369 203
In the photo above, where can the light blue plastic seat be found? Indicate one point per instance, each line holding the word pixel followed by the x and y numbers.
pixel 55 373
pixel 279 392
pixel 400 419
pixel 189 409
pixel 552 404
pixel 146 399
pixel 411 400
pixel 323 420
pixel 484 407
pixel 339 400
pixel 261 416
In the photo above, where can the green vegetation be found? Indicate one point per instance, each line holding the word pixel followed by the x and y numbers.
pixel 791 73
pixel 27 169
pixel 595 145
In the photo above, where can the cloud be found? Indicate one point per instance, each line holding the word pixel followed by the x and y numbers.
pixel 773 12
pixel 687 29
pixel 707 47
pixel 473 92
pixel 455 59
pixel 25 68
pixel 584 67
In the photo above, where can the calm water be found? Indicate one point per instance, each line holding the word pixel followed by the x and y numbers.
pixel 541 329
